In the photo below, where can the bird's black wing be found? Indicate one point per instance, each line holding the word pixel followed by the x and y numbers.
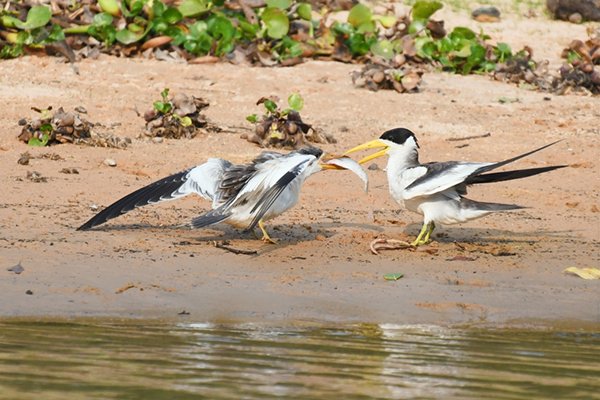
pixel 201 180
pixel 153 193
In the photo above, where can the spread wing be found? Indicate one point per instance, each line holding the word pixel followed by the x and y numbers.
pixel 202 180
pixel 262 186
pixel 438 177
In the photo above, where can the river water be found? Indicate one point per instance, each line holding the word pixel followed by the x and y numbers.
pixel 131 359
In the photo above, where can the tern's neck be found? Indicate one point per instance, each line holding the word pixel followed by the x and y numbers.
pixel 400 159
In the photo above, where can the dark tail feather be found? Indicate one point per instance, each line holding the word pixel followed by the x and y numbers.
pixel 210 218
pixel 150 194
pixel 483 206
pixel 501 163
pixel 509 175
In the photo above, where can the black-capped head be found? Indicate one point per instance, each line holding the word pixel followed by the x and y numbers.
pixel 399 136
pixel 310 150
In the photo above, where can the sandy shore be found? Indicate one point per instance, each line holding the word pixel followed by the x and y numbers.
pixel 503 269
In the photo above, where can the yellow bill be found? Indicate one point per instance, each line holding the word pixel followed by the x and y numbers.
pixel 373 144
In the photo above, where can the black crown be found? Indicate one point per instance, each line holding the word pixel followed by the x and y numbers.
pixel 398 135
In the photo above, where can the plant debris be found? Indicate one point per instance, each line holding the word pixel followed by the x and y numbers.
pixel 36 177
pixel 69 171
pixel 65 127
pixel 393 277
pixel 581 71
pixel 379 74
pixel 584 273
pixel 178 117
pixel 53 128
pixel 284 128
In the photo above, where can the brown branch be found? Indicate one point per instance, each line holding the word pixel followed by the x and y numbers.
pixel 232 250
pixel 469 137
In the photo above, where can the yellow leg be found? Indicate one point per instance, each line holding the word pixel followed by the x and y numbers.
pixel 424 235
pixel 265 238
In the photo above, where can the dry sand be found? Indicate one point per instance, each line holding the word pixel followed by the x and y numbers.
pixel 503 269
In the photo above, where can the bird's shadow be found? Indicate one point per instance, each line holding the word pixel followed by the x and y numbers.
pixel 289 234
pixel 283 234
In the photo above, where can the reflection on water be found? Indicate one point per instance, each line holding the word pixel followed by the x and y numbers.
pixel 147 360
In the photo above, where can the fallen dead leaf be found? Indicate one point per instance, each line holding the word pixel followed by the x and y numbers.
pixel 585 273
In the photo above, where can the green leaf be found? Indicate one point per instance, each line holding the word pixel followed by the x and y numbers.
pixel 296 102
pixel 183 121
pixel 359 14
pixel 464 52
pixel 383 49
pixel 387 21
pixel 304 11
pixel 126 36
pixel 110 6
pixel 281 4
pixel 359 44
pixel 46 127
pixel 503 51
pixel 193 8
pixel 393 277
pixel 367 27
pixel 252 118
pixel 270 105
pixel 165 95
pixel 277 22
pixel 172 15
pixel 460 32
pixel 220 27
pixel 162 107
pixel 37 17
pixel 416 26
pixel 39 142
pixel 102 19
pixel 423 9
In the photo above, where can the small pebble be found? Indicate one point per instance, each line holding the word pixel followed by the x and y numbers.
pixel 29 292
pixel 575 18
pixel 373 167
pixel 110 162
pixel 157 139
pixel 486 14
pixel 17 269
pixel 24 159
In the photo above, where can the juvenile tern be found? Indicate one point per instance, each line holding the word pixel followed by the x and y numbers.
pixel 243 195
pixel 437 190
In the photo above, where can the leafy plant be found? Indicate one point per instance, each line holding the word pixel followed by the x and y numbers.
pixel 163 106
pixel 31 32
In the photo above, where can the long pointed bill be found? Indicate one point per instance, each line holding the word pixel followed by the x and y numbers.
pixel 373 144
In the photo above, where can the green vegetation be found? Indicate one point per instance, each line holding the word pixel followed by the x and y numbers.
pixel 275 32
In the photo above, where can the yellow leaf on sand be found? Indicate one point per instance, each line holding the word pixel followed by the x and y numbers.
pixel 585 273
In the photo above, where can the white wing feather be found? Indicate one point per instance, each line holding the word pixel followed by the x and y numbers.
pixel 438 181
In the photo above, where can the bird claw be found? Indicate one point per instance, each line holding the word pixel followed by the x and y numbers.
pixel 389 244
pixel 268 240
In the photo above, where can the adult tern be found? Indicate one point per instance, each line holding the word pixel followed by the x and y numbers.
pixel 437 190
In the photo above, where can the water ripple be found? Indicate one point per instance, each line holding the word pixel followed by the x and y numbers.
pixel 148 360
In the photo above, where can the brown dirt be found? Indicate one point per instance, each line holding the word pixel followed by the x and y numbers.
pixel 506 269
